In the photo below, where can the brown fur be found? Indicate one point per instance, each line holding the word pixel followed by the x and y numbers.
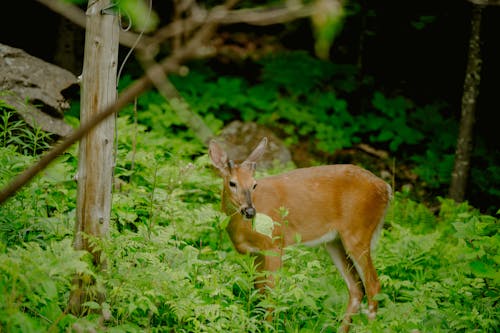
pixel 342 206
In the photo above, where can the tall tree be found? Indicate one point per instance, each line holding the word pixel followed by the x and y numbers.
pixel 96 153
pixel 461 168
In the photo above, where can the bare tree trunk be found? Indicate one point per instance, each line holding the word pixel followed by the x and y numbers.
pixel 461 169
pixel 96 161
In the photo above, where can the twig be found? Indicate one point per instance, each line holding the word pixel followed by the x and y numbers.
pixel 372 151
pixel 178 104
pixel 77 16
pixel 486 2
pixel 223 16
pixel 267 16
pixel 134 138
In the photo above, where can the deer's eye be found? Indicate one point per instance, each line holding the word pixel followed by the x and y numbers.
pixel 232 184
pixel 254 186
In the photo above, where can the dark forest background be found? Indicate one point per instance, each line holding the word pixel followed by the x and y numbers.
pixel 416 49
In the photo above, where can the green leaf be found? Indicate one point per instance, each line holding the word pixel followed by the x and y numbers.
pixel 485 270
pixel 263 224
pixel 92 305
pixel 141 16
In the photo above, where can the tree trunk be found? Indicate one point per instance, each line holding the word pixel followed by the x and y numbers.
pixel 460 173
pixel 96 153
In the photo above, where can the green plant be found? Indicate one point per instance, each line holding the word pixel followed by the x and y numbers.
pixel 8 126
pixel 172 266
pixel 33 283
pixel 48 198
pixel 479 234
pixel 484 177
pixel 296 73
pixel 434 169
pixel 426 275
pixel 391 124
pixel 16 132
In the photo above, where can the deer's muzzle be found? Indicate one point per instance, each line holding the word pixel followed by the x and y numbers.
pixel 248 212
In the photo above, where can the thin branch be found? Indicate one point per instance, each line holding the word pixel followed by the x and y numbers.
pixel 76 15
pixel 485 2
pixel 221 15
pixel 268 16
pixel 179 105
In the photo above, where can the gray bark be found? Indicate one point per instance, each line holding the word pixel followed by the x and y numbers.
pixel 96 153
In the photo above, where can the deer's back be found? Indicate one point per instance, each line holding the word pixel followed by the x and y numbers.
pixel 323 198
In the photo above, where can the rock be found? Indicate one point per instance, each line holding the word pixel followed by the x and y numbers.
pixel 34 88
pixel 238 139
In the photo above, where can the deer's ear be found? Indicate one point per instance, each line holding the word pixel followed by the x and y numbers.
pixel 218 157
pixel 257 152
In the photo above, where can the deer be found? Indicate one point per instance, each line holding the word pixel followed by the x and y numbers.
pixel 340 206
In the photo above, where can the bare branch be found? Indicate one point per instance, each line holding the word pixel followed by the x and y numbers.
pixel 69 11
pixel 179 105
pixel 222 15
pixel 199 17
pixel 485 2
pixel 77 16
pixel 267 16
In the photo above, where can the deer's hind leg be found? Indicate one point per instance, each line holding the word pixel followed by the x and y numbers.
pixel 359 253
pixel 350 275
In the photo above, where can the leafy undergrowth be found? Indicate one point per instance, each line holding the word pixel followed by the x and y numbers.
pixel 172 267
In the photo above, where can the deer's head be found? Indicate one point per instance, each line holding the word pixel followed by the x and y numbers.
pixel 239 181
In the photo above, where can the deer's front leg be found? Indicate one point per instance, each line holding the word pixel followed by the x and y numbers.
pixel 267 264
pixel 246 240
pixel 267 254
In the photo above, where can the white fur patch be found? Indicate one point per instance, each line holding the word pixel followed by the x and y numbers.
pixel 356 303
pixel 371 312
pixel 328 237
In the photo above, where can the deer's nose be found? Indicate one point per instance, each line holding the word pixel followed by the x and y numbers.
pixel 248 212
